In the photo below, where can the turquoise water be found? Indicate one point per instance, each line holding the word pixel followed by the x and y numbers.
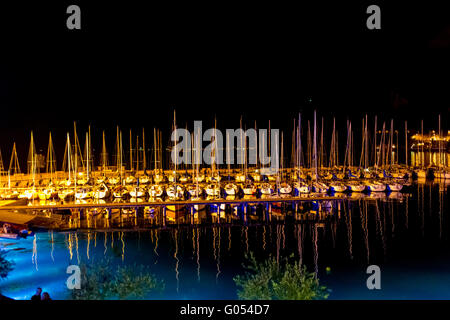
pixel 407 238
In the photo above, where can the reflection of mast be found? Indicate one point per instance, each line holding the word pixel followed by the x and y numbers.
pixel 218 256
pixel 348 222
pixel 177 273
pixel 198 255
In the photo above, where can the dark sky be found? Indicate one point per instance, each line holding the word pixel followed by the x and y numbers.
pixel 131 65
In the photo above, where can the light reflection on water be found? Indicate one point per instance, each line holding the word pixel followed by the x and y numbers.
pixel 408 239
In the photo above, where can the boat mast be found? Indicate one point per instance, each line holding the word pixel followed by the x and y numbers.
pixel 104 154
pixel 14 161
pixel 121 155
pixel 51 161
pixel 144 158
pixel 77 146
pixel 87 156
pixel 439 143
pixel 68 156
pixel 154 145
pixel 406 143
pixel 422 160
pixel 375 144
pixel 299 145
pixel 2 168
pixel 137 154
pixel 315 147
pixel 131 152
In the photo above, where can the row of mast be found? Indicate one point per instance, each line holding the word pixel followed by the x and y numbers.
pixel 383 152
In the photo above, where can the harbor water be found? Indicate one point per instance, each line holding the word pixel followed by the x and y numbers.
pixel 406 235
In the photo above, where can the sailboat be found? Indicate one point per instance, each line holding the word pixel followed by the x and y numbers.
pixel 31 192
pixel 422 172
pixel 353 183
pixel 101 191
pixel 334 184
pixel 441 172
pixel 175 191
pixel 194 189
pixel 317 185
pixel 284 188
pixel 50 191
pixel 213 188
pixel 300 186
pixel 392 184
pixel 231 189
pixel 86 190
pixel 66 192
pixel 9 193
pixel 117 178
pixel 156 190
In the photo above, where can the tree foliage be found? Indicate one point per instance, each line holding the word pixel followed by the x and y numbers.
pixel 5 265
pixel 101 281
pixel 269 280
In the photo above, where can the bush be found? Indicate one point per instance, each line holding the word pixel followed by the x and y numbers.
pixel 100 281
pixel 269 280
pixel 5 265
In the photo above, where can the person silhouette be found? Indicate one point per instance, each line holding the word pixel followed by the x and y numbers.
pixel 37 295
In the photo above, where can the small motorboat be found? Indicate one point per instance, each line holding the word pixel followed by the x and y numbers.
pixel 11 236
pixel 14 232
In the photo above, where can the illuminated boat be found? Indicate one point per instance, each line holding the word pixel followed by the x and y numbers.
pixel 266 188
pixel 120 192
pixel 66 194
pixel 137 192
pixel 231 189
pixel 101 192
pixel 285 188
pixel 302 187
pixel 84 193
pixel 48 193
pixel 175 192
pixel 155 190
pixel 212 189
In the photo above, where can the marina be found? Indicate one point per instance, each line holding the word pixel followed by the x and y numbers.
pixel 198 261
pixel 268 157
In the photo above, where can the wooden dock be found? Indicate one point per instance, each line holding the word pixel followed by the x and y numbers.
pixel 120 205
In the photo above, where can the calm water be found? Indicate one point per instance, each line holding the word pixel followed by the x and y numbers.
pixel 407 238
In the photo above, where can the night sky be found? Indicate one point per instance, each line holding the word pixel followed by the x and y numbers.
pixel 132 65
